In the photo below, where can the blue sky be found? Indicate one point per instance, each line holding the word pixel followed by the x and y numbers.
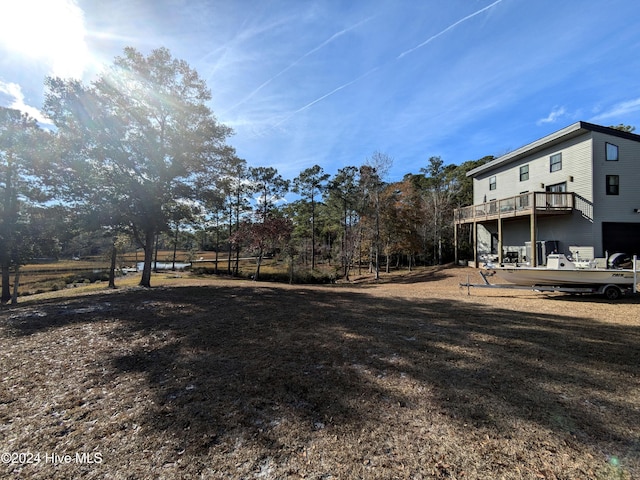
pixel 330 82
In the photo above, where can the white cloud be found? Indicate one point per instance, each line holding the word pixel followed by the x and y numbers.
pixel 556 113
pixel 13 92
pixel 618 110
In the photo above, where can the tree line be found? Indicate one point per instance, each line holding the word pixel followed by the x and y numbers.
pixel 138 154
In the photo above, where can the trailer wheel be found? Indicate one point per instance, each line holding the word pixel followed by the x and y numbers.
pixel 612 292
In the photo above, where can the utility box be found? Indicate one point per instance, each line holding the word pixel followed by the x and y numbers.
pixel 543 248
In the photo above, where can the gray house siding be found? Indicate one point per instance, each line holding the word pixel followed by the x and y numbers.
pixel 567 230
pixel 575 171
pixel 600 219
pixel 617 208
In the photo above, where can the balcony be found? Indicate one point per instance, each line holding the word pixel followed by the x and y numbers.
pixel 542 203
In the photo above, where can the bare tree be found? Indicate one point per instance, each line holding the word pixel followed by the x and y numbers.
pixel 343 191
pixel 372 175
pixel 439 196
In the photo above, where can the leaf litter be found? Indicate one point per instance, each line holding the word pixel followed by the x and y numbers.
pixel 405 378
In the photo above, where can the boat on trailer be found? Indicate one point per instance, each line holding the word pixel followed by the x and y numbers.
pixel 563 275
pixel 562 271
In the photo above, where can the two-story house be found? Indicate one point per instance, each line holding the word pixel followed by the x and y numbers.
pixel 576 191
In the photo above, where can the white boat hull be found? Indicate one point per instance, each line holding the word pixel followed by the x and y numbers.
pixel 530 276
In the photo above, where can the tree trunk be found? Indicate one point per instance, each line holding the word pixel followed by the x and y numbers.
pixel 175 248
pixel 230 244
pixel 6 290
pixel 145 281
pixel 215 270
pixel 112 267
pixel 372 256
pixel 257 274
pixel 16 282
pixel 236 271
pixel 291 269
pixel 343 241
pixel 155 263
pixel 10 216
pixel 313 235
pixel 360 252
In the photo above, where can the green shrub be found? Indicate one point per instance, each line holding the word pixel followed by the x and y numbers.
pixel 300 277
pixel 313 277
pixel 204 271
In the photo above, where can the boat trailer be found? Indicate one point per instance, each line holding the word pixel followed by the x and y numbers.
pixel 610 291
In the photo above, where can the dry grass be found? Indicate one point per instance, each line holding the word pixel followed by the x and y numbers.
pixel 406 378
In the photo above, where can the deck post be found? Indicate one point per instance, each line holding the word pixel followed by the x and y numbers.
pixel 635 274
pixel 475 244
pixel 455 242
pixel 534 248
pixel 500 239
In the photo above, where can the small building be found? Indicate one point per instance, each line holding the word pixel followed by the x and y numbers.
pixel 576 191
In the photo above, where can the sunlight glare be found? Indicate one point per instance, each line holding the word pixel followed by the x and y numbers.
pixel 50 31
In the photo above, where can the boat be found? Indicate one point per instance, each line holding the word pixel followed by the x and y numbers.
pixel 562 271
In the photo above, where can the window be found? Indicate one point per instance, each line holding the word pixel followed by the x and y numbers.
pixel 524 173
pixel 558 187
pixel 555 162
pixel 611 152
pixel 613 184
pixel 523 200
pixel 492 183
pixel 556 195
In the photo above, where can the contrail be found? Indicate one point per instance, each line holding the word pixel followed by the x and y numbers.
pixel 327 95
pixel 319 99
pixel 453 25
pixel 289 67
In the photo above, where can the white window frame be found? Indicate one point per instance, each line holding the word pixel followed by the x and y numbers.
pixel 555 162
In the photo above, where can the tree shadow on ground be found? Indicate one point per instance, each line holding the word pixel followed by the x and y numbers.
pixel 270 366
pixel 428 275
pixel 420 275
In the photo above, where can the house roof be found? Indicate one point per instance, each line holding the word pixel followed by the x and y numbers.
pixel 574 130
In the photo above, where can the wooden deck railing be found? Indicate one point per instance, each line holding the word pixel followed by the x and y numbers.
pixel 545 203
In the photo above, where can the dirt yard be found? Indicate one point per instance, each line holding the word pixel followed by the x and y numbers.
pixel 408 378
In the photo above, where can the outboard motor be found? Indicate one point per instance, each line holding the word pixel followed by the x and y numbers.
pixel 620 260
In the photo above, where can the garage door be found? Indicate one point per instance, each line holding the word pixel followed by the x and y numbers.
pixel 621 237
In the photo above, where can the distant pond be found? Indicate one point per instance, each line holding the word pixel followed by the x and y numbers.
pixel 164 265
